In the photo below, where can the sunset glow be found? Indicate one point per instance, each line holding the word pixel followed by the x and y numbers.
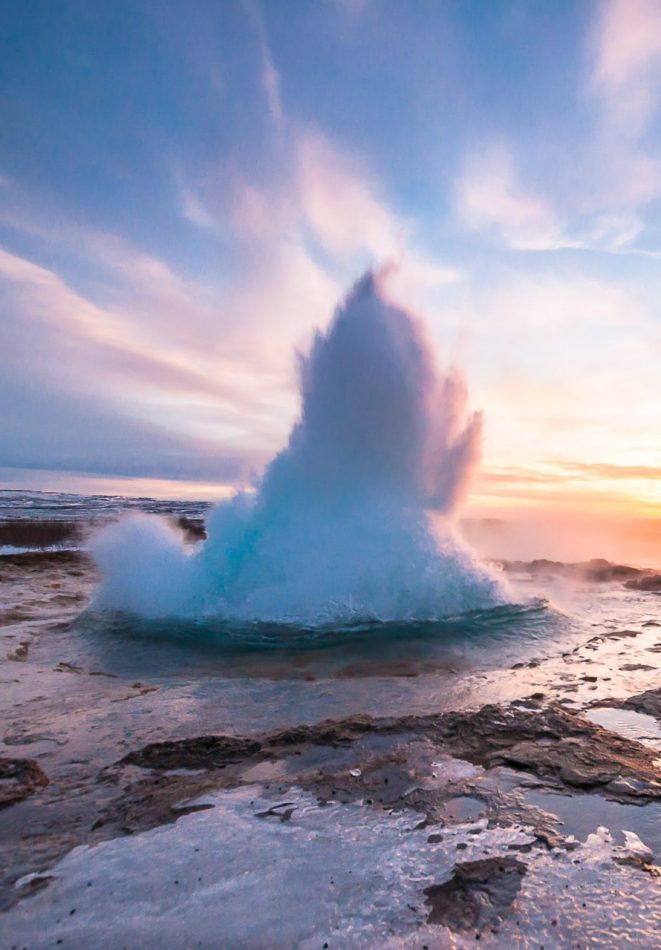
pixel 162 257
pixel 330 474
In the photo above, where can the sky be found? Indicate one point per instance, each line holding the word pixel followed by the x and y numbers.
pixel 187 191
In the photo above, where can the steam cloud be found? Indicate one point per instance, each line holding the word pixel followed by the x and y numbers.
pixel 339 530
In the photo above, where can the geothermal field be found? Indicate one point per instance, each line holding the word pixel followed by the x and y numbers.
pixel 330 475
pixel 313 716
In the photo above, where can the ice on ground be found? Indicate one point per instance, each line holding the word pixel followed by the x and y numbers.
pixel 255 872
pixel 244 874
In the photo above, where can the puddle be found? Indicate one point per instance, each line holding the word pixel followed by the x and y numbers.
pixel 627 723
pixel 581 815
pixel 462 808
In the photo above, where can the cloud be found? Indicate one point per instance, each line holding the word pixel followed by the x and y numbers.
pixel 627 67
pixel 49 429
pixel 49 298
pixel 54 334
pixel 596 200
pixel 579 304
pixel 195 212
pixel 340 203
pixel 490 197
pixel 620 170
pixel 206 358
pixel 301 233
pixel 595 213
pixel 610 470
pixel 565 367
pixel 270 75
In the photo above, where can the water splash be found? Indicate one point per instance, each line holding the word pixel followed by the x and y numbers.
pixel 339 530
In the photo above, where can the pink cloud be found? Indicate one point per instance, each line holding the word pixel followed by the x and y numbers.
pixel 490 196
pixel 340 203
pixel 627 69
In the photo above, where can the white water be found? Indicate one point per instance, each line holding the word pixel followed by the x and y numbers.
pixel 339 529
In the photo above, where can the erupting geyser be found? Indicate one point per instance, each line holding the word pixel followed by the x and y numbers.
pixel 339 529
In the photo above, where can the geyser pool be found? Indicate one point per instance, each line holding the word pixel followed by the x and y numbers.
pixel 340 529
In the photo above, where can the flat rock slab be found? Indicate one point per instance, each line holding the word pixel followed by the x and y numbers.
pixel 550 742
pixel 553 742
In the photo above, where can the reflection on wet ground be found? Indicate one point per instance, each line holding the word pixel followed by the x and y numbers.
pixel 581 815
pixel 79 693
pixel 628 723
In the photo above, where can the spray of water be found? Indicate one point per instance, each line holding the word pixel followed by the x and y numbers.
pixel 339 529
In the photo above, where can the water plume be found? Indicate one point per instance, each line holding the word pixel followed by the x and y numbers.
pixel 339 529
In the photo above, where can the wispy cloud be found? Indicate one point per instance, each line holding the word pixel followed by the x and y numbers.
pixel 610 470
pixel 164 269
pixel 597 200
pixel 491 197
pixel 195 212
pixel 622 176
pixel 627 68
pixel 600 214
pixel 340 203
pixel 210 360
pixel 270 75
pixel 92 350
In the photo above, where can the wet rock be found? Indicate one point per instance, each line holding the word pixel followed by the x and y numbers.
pixel 332 732
pixel 20 654
pixel 386 780
pixel 39 533
pixel 202 752
pixel 35 883
pixel 648 702
pixel 19 778
pixel 38 560
pixel 648 582
pixel 552 742
pixel 558 746
pixel 630 787
pixel 479 894
pixel 152 802
pixel 598 570
pixel 386 763
pixel 603 571
pixel 194 528
pixel 282 812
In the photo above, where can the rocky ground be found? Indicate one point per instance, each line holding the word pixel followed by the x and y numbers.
pixel 482 799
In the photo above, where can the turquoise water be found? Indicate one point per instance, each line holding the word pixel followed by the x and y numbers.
pixel 483 639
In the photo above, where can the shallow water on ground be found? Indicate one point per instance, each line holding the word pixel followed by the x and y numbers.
pixel 628 723
pixel 582 815
pixel 80 690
